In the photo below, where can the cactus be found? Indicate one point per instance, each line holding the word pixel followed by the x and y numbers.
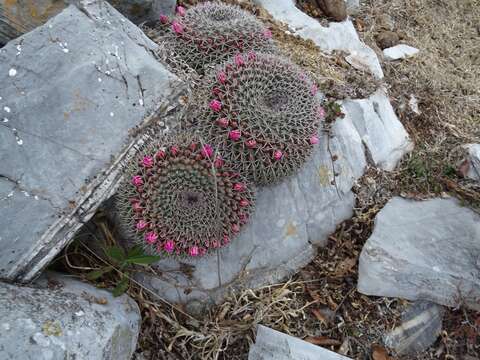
pixel 210 33
pixel 179 198
pixel 261 111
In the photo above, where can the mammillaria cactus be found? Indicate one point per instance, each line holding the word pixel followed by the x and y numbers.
pixel 261 111
pixel 210 33
pixel 179 198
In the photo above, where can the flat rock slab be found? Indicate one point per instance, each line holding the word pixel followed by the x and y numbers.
pixel 421 325
pixel 398 52
pixel 274 345
pixel 66 319
pixel 337 36
pixel 423 250
pixel 290 219
pixel 71 91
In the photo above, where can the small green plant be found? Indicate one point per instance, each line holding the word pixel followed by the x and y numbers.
pixel 122 262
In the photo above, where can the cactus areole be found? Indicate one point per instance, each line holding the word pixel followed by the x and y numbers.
pixel 179 198
pixel 262 112
pixel 210 33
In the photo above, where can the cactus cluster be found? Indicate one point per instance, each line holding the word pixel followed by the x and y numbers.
pixel 210 33
pixel 179 198
pixel 261 111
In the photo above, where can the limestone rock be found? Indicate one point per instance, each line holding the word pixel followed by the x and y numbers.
pixel 274 345
pixel 72 90
pixel 387 39
pixel 421 325
pixel 289 219
pixel 66 319
pixel 400 51
pixel 428 250
pixel 472 161
pixel 382 133
pixel 337 36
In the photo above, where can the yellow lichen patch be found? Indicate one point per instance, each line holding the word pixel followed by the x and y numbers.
pixel 324 175
pixel 51 328
pixel 291 229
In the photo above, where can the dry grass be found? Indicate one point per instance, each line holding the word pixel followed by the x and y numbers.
pixel 320 303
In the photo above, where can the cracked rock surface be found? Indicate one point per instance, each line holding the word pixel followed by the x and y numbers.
pixel 71 91
pixel 62 318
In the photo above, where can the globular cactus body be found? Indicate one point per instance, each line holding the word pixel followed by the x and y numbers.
pixel 210 33
pixel 179 198
pixel 262 112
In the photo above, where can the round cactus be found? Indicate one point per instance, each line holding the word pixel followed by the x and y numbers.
pixel 210 33
pixel 261 111
pixel 179 198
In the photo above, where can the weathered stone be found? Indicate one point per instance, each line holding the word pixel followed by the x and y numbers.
pixel 63 318
pixel 382 133
pixel 335 9
pixel 71 91
pixel 142 10
pixel 427 250
pixel 472 161
pixel 290 218
pixel 274 345
pixel 421 325
pixel 400 51
pixel 337 36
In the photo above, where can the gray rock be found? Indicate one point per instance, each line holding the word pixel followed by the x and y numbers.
pixel 142 10
pixel 290 219
pixel 473 161
pixel 71 92
pixel 427 250
pixel 382 133
pixel 421 325
pixel 400 51
pixel 67 319
pixel 165 7
pixel 274 345
pixel 337 36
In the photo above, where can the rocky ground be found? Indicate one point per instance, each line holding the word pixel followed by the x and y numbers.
pixel 436 96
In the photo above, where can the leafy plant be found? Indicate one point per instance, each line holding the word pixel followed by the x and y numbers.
pixel 122 263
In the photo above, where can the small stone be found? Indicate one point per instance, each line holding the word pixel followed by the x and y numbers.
pixel 423 250
pixel 387 39
pixel 471 163
pixel 336 9
pixel 12 72
pixel 400 51
pixel 421 325
pixel 274 345
pixel 6 109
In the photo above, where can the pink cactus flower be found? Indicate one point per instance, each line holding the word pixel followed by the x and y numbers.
pixel 235 135
pixel 277 155
pixel 160 154
pixel 193 146
pixel 243 218
pixel 180 10
pixel 151 237
pixel 202 251
pixel 313 90
pixel 216 91
pixel 314 139
pixel 137 180
pixel 207 151
pixel 169 246
pixel 251 143
pixel 243 203
pixel 251 55
pixel 215 244
pixel 147 161
pixel 222 77
pixel 226 239
pixel 141 225
pixel 223 122
pixel 218 163
pixel 164 19
pixel 137 207
pixel 236 228
pixel 267 34
pixel 239 60
pixel 174 150
pixel 239 187
pixel 321 112
pixel 193 251
pixel 177 27
pixel 215 105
